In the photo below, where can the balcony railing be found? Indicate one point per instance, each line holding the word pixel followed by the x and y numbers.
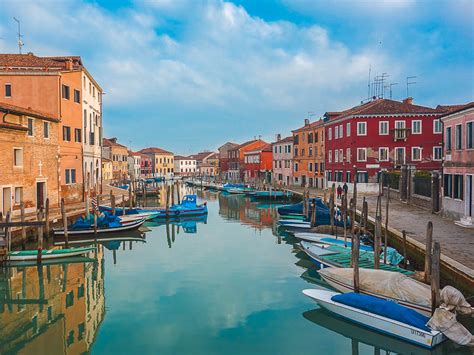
pixel 400 133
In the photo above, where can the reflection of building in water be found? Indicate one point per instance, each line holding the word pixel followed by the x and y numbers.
pixel 54 309
pixel 243 209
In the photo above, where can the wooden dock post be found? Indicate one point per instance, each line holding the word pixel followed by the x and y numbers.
pixel 64 217
pixel 123 204
pixel 355 260
pixel 365 208
pixel 39 214
pixel 385 242
pixel 428 251
pixel 378 233
pixel 313 214
pixel 8 233
pixel 22 219
pixel 112 202
pixel 404 249
pixel 130 196
pixel 46 219
pixel 168 198
pixel 331 212
pixel 344 216
pixel 435 284
pixel 172 194
pixel 178 192
pixel 354 202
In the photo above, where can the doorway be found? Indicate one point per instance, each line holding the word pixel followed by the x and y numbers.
pixel 7 200
pixel 40 194
pixel 468 197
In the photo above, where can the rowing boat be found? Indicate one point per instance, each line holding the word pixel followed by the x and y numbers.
pixel 27 255
pixel 328 239
pixel 101 230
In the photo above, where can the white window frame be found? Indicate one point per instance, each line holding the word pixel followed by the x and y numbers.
pixel 348 129
pixel 348 154
pixel 365 154
pixel 22 157
pixel 440 155
pixel 440 126
pixel 360 124
pixel 388 152
pixel 336 156
pixel 330 133
pixel 413 127
pixel 341 131
pixel 336 132
pixel 32 127
pixel 404 154
pixel 330 156
pixel 404 125
pixel 465 136
pixel 380 128
pixel 412 153
pixel 17 201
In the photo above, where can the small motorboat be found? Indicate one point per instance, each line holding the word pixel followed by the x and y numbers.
pixel 272 195
pixel 380 315
pixel 28 255
pixel 82 228
pixel 328 239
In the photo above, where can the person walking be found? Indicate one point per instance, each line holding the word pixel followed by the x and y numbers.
pixel 339 192
pixel 345 188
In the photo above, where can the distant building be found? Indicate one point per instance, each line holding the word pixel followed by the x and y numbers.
pixel 146 166
pixel 210 165
pixel 458 171
pixel 380 135
pixel 236 156
pixel 118 153
pixel 134 165
pixel 224 159
pixel 28 160
pixel 162 161
pixel 201 158
pixel 107 171
pixel 257 165
pixel 184 166
pixel 282 172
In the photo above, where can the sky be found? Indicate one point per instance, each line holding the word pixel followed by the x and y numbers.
pixel 189 75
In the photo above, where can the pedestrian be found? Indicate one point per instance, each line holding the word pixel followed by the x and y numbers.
pixel 346 188
pixel 339 192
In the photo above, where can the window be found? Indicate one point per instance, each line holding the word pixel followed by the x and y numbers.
pixel 348 176
pixel 18 157
pixel 341 131
pixel 77 96
pixel 310 137
pixel 330 133
pixel 66 92
pixel 361 128
pixel 361 154
pixel 458 137
pixel 341 156
pixel 296 151
pixel 310 166
pixel 400 155
pixel 18 194
pixel 8 90
pixel 77 135
pixel 448 139
pixel 469 135
pixel 348 129
pixel 383 128
pixel 362 177
pixel 30 127
pixel 296 166
pixel 302 152
pixel 437 153
pixel 275 149
pixel 336 156
pixel 448 185
pixel 437 126
pixel 330 156
pixel 296 139
pixel 383 154
pixel 310 151
pixel 66 133
pixel 348 154
pixel 458 187
pixel 336 132
pixel 416 127
pixel 46 129
pixel 416 153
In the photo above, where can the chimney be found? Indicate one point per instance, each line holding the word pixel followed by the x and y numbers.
pixel 408 101
pixel 68 64
pixel 306 121
pixel 278 137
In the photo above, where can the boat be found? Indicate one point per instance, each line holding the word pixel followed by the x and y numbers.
pixel 295 211
pixel 86 240
pixel 272 195
pixel 28 255
pixel 84 229
pixel 340 257
pixel 49 262
pixel 133 217
pixel 380 315
pixel 328 239
pixel 385 284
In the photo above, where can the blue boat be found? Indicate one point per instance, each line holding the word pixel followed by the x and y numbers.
pixel 322 213
pixel 272 195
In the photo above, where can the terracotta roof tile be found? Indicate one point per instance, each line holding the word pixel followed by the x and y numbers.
pixel 154 150
pixel 451 109
pixel 111 143
pixel 30 61
pixel 284 140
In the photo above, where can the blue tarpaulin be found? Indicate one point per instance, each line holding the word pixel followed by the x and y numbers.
pixel 384 308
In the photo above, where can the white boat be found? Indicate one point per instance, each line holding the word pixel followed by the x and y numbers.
pixel 328 239
pixel 135 217
pixel 28 255
pixel 313 251
pixel 389 285
pixel 123 227
pixel 407 332
pixel 294 224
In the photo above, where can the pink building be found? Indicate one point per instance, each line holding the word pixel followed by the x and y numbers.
pixel 283 160
pixel 458 171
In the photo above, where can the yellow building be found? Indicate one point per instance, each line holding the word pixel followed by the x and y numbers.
pixel 107 171
pixel 118 154
pixel 162 161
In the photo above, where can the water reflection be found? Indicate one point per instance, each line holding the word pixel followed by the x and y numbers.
pixel 54 308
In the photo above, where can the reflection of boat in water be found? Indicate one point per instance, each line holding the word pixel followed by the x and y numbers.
pixel 32 255
pixel 87 240
pixel 359 334
pixel 49 262
pixel 188 224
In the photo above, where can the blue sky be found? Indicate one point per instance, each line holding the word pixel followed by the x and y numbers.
pixel 188 75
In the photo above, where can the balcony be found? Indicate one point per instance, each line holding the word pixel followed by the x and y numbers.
pixel 400 134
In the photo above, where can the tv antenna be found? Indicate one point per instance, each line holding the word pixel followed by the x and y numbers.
pixel 410 82
pixel 390 88
pixel 20 42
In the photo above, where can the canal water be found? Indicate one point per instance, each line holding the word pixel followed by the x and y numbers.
pixel 225 284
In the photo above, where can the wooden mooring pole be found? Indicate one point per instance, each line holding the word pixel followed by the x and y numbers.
pixel 435 284
pixel 22 219
pixel 404 249
pixel 355 260
pixel 64 218
pixel 378 233
pixel 46 219
pixel 40 236
pixel 428 251
pixel 385 242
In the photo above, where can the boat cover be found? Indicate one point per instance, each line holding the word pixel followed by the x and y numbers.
pixel 322 212
pixel 103 221
pixel 385 283
pixel 446 322
pixel 384 308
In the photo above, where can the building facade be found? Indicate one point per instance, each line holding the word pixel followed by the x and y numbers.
pixel 107 171
pixel 184 166
pixel 236 156
pixel 381 135
pixel 308 154
pixel 224 159
pixel 118 154
pixel 458 170
pixel 210 165
pixel 282 172
pixel 257 166
pixel 162 161
pixel 29 161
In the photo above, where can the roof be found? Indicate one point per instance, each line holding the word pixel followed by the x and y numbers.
pixel 232 144
pixel 112 142
pixel 201 155
pixel 154 150
pixel 182 157
pixel 138 154
pixel 313 125
pixel 31 61
pixel 288 139
pixel 27 112
pixel 265 148
pixel 456 108
pixel 384 107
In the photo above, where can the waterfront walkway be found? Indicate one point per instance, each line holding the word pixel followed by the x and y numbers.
pixel 457 243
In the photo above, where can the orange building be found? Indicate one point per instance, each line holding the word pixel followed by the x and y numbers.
pixel 258 164
pixel 308 154
pixel 236 159
pixel 52 85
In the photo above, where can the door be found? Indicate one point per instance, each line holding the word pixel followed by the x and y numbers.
pixel 468 193
pixel 7 200
pixel 40 194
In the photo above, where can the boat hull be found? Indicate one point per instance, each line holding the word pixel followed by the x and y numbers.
pixel 378 323
pixel 48 254
pixel 124 227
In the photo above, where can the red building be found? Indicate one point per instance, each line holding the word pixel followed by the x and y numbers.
pixel 146 165
pixel 224 158
pixel 381 135
pixel 236 158
pixel 258 164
